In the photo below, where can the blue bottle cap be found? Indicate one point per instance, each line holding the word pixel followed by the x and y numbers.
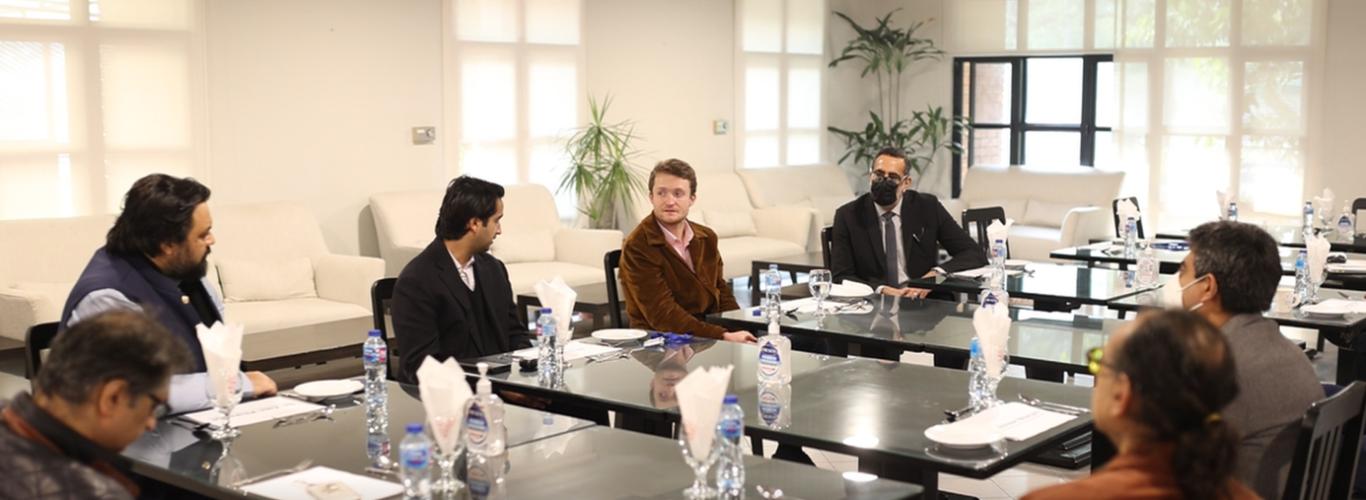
pixel 756 312
pixel 415 428
pixel 975 347
pixel 375 333
pixel 545 310
pixel 732 399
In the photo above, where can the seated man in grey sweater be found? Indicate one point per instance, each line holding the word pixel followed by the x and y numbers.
pixel 1230 277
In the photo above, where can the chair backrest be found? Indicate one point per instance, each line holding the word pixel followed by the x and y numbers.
pixel 1358 205
pixel 38 338
pixel 380 295
pixel 610 262
pixel 1114 211
pixel 1326 452
pixel 827 233
pixel 976 220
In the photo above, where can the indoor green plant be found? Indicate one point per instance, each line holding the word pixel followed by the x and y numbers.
pixel 600 171
pixel 886 52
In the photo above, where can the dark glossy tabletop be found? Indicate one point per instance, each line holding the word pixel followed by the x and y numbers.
pixel 1293 236
pixel 1294 317
pixel 854 406
pixel 614 464
pixel 808 260
pixel 1170 260
pixel 1049 282
pixel 175 455
pixel 1047 338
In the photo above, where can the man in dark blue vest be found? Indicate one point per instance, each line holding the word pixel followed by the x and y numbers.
pixel 155 260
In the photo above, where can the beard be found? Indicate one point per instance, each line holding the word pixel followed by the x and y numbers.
pixel 185 268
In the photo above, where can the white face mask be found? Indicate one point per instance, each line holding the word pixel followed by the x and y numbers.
pixel 1172 292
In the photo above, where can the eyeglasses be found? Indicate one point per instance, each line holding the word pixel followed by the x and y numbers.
pixel 1095 359
pixel 159 407
pixel 880 175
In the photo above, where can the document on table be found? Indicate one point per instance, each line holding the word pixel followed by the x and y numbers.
pixel 572 351
pixel 981 272
pixel 1019 421
pixel 338 484
pixel 255 412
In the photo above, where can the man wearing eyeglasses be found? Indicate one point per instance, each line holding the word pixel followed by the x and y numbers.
pixel 892 234
pixel 105 381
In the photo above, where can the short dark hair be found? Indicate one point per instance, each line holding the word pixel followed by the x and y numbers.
pixel 466 198
pixel 121 344
pixel 158 209
pixel 677 168
pixel 1244 260
pixel 894 152
pixel 1182 369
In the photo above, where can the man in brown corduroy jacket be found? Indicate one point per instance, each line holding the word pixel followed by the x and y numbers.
pixel 670 267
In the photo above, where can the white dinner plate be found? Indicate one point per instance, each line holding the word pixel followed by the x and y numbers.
pixel 619 334
pixel 1331 308
pixel 320 390
pixel 963 435
pixel 850 290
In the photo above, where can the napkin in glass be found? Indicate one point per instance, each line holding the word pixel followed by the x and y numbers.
pixel 444 392
pixel 559 297
pixel 699 403
pixel 992 325
pixel 1222 199
pixel 1318 248
pixel 222 346
pixel 999 231
pixel 1126 209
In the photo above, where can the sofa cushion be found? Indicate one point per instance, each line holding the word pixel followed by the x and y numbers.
pixel 826 205
pixel 1033 242
pixel 261 316
pixel 1015 209
pixel 246 280
pixel 524 275
pixel 728 224
pixel 738 253
pixel 1046 213
pixel 525 246
pixel 54 295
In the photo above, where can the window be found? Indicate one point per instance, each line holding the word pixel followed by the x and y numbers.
pixel 518 81
pixel 781 62
pixel 94 95
pixel 1039 111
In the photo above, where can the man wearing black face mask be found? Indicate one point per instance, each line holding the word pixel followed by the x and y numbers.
pixel 893 233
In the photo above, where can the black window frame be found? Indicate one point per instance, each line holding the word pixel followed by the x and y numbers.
pixel 1018 101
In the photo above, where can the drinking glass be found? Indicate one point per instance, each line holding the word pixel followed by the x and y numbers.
pixel 820 283
pixel 449 434
pixel 224 400
pixel 227 471
pixel 700 465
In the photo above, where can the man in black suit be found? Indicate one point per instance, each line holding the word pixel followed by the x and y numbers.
pixel 454 299
pixel 892 234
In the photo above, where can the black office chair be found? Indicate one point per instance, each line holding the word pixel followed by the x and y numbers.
pixel 38 338
pixel 1324 466
pixel 1114 212
pixel 610 262
pixel 976 220
pixel 826 233
pixel 1358 205
pixel 380 295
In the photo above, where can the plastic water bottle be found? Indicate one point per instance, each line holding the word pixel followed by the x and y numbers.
pixel 484 432
pixel 998 263
pixel 979 396
pixel 773 288
pixel 1301 278
pixel 1307 225
pixel 1147 266
pixel 994 296
pixel 1233 211
pixel 377 449
pixel 730 467
pixel 550 353
pixel 775 356
pixel 1130 238
pixel 416 457
pixel 375 357
pixel 1347 222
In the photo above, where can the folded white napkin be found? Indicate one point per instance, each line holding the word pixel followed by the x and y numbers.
pixel 1222 199
pixel 1126 209
pixel 222 346
pixel 1318 247
pixel 999 231
pixel 699 404
pixel 556 295
pixel 444 393
pixel 992 325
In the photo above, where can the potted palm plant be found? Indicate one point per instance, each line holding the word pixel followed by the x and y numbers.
pixel 886 52
pixel 601 173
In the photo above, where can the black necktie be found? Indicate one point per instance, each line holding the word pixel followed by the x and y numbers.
pixel 889 243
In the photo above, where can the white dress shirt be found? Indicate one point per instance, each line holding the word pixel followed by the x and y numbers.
pixel 466 270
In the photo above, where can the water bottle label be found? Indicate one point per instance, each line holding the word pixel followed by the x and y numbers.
pixel 769 360
pixel 375 354
pixel 731 428
pixel 770 408
pixel 476 425
pixel 416 457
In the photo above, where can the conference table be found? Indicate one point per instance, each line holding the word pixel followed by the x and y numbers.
pixel 877 411
pixel 1047 344
pixel 11 385
pixel 797 263
pixel 1050 286
pixel 294 346
pixel 1293 236
pixel 549 456
pixel 1169 255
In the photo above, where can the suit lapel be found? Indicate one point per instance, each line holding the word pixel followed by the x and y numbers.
pixel 911 227
pixel 450 277
pixel 487 281
pixel 874 232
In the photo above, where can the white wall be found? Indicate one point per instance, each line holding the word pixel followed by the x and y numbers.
pixel 311 101
pixel 1343 165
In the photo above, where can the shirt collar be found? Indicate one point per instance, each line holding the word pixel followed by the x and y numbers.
pixel 895 209
pixel 669 235
pixel 466 267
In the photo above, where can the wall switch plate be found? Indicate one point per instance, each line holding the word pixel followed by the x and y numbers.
pixel 424 135
pixel 720 127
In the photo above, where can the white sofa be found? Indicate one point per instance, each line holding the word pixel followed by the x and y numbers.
pixel 745 232
pixel 823 188
pixel 263 251
pixel 534 244
pixel 1053 207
